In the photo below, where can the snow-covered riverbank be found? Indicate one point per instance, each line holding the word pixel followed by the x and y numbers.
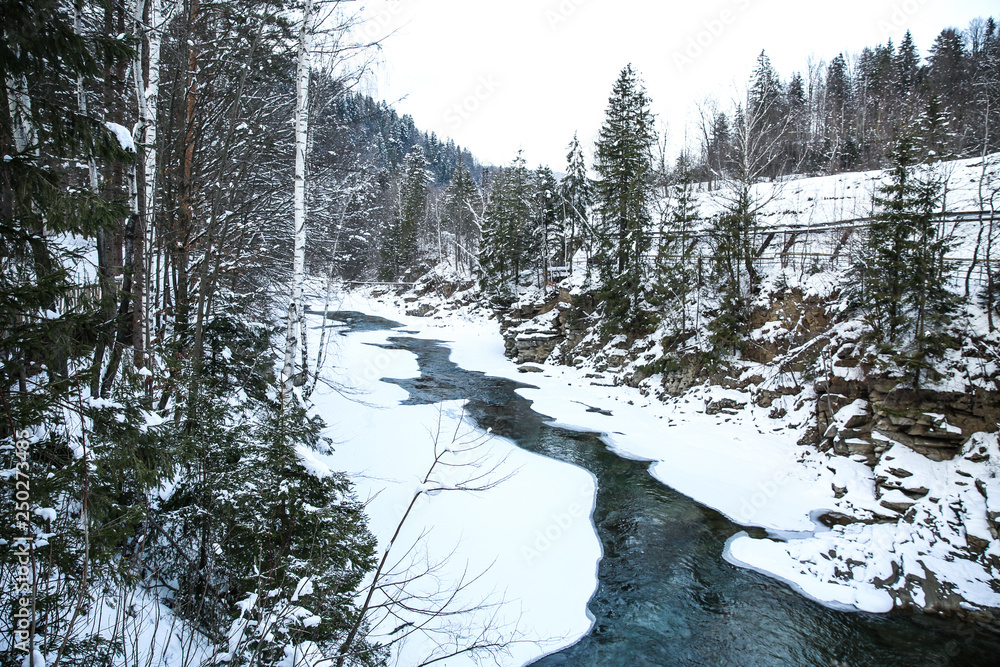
pixel 750 468
pixel 524 552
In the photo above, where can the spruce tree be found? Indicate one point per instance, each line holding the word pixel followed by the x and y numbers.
pixel 494 273
pixel 508 245
pixel 88 462
pixel 624 195
pixel 546 222
pixel 249 519
pixel 718 148
pixel 733 236
pixel 522 239
pixel 906 64
pixel 839 143
pixel 902 285
pixel 797 150
pixel 413 206
pixel 576 196
pixel 401 241
pixel 676 274
pixel 735 232
pixel 462 204
pixel 44 134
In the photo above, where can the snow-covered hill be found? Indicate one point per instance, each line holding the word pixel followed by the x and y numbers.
pixel 889 495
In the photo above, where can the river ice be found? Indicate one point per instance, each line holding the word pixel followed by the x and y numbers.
pixel 524 551
pixel 741 463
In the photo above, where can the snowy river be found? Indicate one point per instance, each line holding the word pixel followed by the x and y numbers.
pixel 665 596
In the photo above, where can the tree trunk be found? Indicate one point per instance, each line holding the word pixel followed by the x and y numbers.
pixel 186 193
pixel 146 71
pixel 296 315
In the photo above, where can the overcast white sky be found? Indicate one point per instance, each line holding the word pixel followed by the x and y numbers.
pixel 499 75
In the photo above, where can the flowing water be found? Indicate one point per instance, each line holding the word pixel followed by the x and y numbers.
pixel 665 596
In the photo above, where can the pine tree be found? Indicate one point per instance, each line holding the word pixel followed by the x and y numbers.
pixel 576 196
pixel 902 276
pixel 547 223
pixel 624 165
pixel 462 203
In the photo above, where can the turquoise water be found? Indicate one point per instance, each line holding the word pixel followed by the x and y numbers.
pixel 665 595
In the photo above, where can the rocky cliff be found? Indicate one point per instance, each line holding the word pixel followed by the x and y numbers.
pixel 801 350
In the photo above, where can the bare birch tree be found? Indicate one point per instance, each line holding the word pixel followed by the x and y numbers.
pixel 398 592
pixel 295 337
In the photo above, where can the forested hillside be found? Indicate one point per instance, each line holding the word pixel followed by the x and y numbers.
pixel 158 505
pixel 767 282
pixel 390 137
pixel 842 116
pixel 174 174
pixel 848 115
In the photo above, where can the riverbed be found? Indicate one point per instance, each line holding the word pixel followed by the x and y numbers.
pixel 665 595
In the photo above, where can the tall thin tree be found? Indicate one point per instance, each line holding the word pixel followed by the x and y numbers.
pixel 624 165
pixel 296 333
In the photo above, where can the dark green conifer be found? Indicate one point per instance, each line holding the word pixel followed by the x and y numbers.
pixel 902 286
pixel 624 165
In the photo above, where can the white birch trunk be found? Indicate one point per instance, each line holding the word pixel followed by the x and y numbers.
pixel 81 102
pixel 146 97
pixel 147 100
pixel 19 104
pixel 295 337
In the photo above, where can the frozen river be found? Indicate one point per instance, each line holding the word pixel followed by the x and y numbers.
pixel 665 595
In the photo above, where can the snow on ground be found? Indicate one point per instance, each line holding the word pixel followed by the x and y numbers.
pixel 824 203
pixel 720 461
pixel 526 545
pixel 146 631
pixel 951 512
pixel 822 200
pixel 736 460
pixel 750 468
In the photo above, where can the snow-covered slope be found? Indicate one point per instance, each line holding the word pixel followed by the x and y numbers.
pixel 823 200
pixel 863 514
pixel 528 600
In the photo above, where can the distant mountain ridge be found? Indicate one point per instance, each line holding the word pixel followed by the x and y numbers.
pixel 390 136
